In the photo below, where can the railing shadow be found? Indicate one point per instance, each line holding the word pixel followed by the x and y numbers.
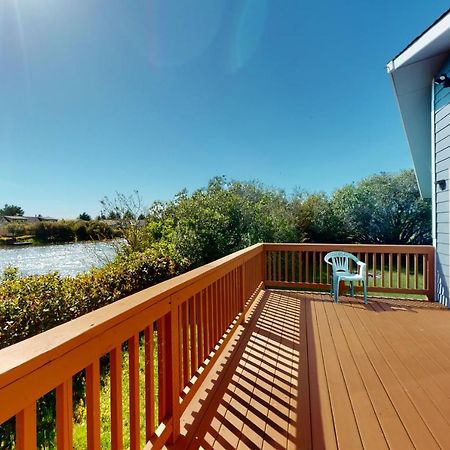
pixel 261 394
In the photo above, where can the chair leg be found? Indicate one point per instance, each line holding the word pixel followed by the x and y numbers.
pixel 336 290
pixel 331 285
pixel 365 292
pixel 352 291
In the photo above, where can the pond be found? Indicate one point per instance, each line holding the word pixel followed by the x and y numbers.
pixel 67 259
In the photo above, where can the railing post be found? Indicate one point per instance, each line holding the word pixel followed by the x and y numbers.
pixel 431 294
pixel 263 266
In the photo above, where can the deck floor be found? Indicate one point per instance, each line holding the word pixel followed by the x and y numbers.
pixel 305 373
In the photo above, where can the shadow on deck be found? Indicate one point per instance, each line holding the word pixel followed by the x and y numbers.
pixel 306 373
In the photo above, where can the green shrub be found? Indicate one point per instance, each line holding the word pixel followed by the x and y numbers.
pixel 37 303
pixel 33 304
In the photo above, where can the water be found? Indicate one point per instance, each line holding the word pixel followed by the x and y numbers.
pixel 67 259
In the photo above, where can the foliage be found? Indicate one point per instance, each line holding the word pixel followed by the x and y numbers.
pixel 383 209
pixel 33 304
pixel 84 216
pixel 11 210
pixel 315 218
pixel 219 219
pixel 127 211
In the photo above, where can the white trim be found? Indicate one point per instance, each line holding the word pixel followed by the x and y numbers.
pixel 431 37
pixel 433 169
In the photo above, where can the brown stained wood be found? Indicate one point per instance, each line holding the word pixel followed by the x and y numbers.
pixel 347 433
pixel 286 266
pixel 374 268
pixel 64 417
pixel 366 419
pixel 200 329
pixel 320 267
pixel 93 405
pixel 416 271
pixel 206 324
pixel 133 359
pixel 313 255
pixel 424 273
pixel 390 270
pixel 279 278
pixel 292 253
pixel 163 376
pixel 391 424
pixel 274 265
pixel 26 428
pixel 411 419
pixel 300 267
pixel 193 338
pixel 116 398
pixel 382 269
pixel 399 269
pixel 149 382
pixel 184 344
pixel 407 271
pixel 307 280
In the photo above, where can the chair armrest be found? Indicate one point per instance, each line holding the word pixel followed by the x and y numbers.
pixel 361 268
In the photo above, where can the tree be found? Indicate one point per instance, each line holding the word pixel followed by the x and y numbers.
pixel 84 216
pixel 383 209
pixel 126 211
pixel 11 210
pixel 220 219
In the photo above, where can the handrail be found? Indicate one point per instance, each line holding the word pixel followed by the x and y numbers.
pixel 399 269
pixel 220 290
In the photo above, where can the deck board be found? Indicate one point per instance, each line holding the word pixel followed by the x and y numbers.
pixel 305 373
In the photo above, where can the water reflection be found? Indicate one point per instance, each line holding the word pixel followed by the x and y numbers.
pixel 67 259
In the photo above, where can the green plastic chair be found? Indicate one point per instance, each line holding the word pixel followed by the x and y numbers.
pixel 340 262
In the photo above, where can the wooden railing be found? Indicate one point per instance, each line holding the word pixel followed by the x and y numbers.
pixel 188 319
pixel 400 269
pixel 181 326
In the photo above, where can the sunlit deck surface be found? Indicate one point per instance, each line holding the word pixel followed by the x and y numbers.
pixel 307 373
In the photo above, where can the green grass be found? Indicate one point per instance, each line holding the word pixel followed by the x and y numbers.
pixel 80 428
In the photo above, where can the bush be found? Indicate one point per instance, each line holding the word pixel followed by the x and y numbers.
pixel 37 303
pixel 33 304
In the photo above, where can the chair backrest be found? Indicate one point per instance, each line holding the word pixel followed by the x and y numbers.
pixel 340 260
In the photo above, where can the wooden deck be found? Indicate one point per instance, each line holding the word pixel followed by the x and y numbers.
pixel 306 373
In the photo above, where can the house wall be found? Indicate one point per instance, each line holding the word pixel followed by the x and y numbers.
pixel 442 167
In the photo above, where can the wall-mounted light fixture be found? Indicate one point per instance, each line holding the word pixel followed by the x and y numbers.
pixel 442 184
pixel 443 79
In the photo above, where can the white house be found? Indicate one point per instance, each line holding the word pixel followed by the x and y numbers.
pixel 420 75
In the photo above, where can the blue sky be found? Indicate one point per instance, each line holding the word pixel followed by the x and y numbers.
pixel 98 97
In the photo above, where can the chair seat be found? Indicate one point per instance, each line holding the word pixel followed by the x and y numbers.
pixel 350 277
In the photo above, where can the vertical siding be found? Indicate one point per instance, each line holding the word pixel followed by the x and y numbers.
pixel 442 165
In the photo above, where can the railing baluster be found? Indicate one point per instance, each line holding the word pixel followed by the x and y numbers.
pixel 93 405
pixel 115 358
pixel 279 266
pixel 26 428
pixel 193 334
pixel 292 253
pixel 300 267
pixel 424 273
pixel 382 269
pixel 307 267
pixel 185 344
pixel 199 319
pixel 206 329
pixel 390 270
pixel 407 270
pixel 285 266
pixel 399 270
pixel 320 267
pixel 149 383
pixel 416 271
pixel 64 420
pixel 314 266
pixel 374 265
pixel 133 358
